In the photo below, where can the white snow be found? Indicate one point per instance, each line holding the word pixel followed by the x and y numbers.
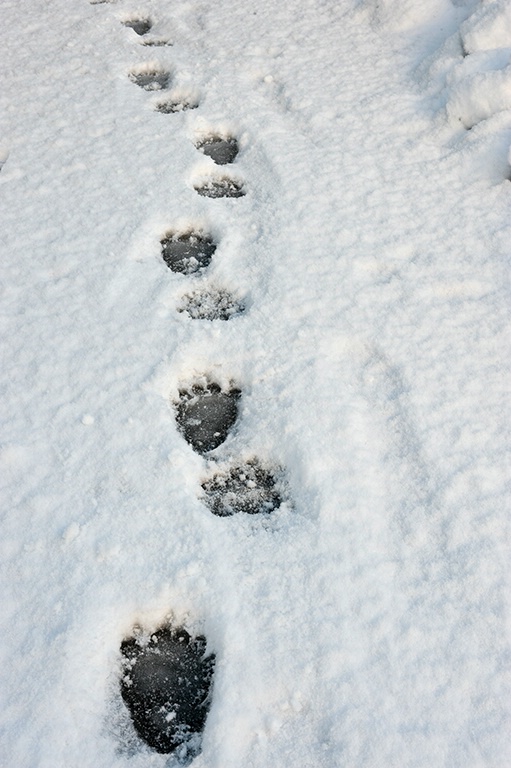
pixel 366 622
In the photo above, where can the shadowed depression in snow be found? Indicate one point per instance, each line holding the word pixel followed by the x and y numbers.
pixel 221 187
pixel 187 253
pixel 211 304
pixel 205 415
pixel 221 150
pixel 165 684
pixel 140 26
pixel 170 106
pixel 245 488
pixel 150 78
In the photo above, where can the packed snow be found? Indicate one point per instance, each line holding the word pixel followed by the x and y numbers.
pixel 357 301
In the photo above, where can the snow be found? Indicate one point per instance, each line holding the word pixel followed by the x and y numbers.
pixel 366 621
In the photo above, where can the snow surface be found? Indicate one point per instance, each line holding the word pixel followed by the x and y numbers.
pixel 366 622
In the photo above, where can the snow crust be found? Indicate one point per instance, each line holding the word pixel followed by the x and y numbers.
pixel 366 621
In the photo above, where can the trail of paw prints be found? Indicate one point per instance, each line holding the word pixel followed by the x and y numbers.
pixel 222 149
pixel 153 76
pixel 190 252
pixel 166 676
pixel 206 415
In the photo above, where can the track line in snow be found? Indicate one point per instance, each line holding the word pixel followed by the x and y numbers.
pixel 205 414
pixel 368 618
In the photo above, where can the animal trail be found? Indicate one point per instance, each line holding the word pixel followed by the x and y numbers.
pixel 205 415
pixel 166 676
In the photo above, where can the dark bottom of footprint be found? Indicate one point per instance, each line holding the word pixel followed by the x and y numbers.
pixel 140 26
pixel 165 685
pixel 205 415
pixel 171 106
pixel 156 42
pixel 221 150
pixel 223 187
pixel 244 487
pixel 212 304
pixel 150 79
pixel 187 253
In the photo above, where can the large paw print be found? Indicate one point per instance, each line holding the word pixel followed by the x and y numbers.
pixel 165 684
